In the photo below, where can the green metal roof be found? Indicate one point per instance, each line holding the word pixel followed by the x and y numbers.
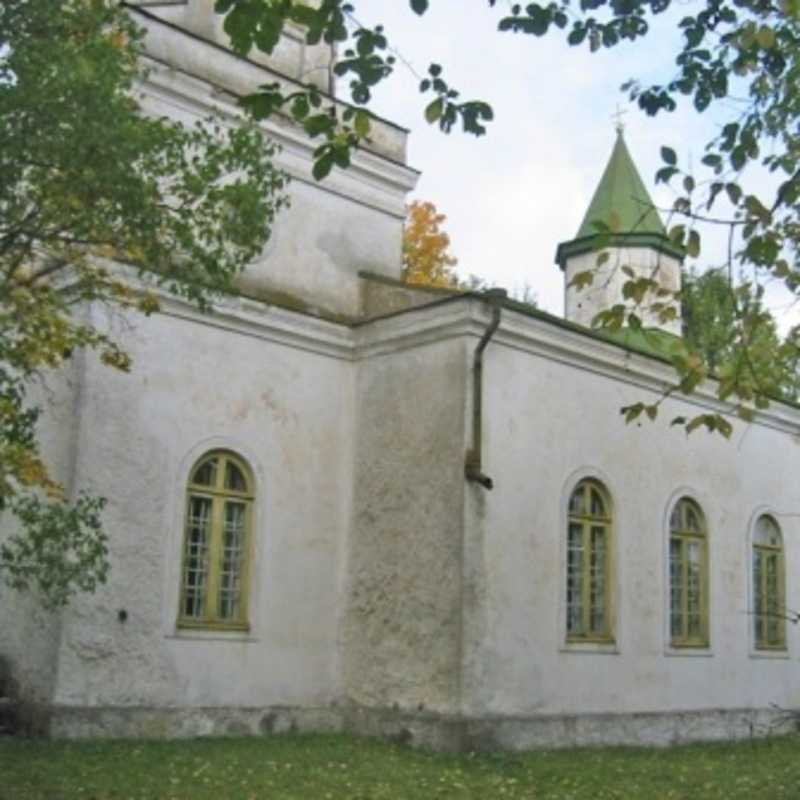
pixel 621 200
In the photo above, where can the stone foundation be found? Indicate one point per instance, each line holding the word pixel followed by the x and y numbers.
pixel 422 729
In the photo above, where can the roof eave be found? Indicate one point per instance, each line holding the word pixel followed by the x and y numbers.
pixel 586 244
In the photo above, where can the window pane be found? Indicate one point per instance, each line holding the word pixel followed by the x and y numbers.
pixel 195 577
pixel 676 588
pixel 234 478
pixel 758 597
pixel 598 507
pixel 767 532
pixel 230 590
pixel 575 579
pixel 694 588
pixel 206 473
pixel 577 504
pixel 773 601
pixel 691 519
pixel 675 522
pixel 597 580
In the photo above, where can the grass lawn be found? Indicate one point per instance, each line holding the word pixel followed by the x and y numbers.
pixel 339 767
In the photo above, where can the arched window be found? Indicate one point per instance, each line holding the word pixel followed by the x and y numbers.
pixel 216 545
pixel 688 575
pixel 589 563
pixel 768 585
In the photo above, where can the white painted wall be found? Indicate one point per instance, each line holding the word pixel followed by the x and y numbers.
pixel 582 305
pixel 381 577
pixel 292 57
pixel 351 221
pixel 198 384
pixel 402 631
pixel 552 418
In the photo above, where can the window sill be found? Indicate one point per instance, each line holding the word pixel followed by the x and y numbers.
pixel 781 653
pixel 212 634
pixel 213 626
pixel 689 650
pixel 590 646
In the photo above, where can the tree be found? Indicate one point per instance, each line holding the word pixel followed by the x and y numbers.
pixel 426 256
pixel 88 184
pixel 750 46
pixel 708 314
pixel 710 322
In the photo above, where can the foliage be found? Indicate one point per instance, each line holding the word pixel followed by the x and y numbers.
pixel 426 255
pixel 61 548
pixel 708 315
pixel 712 327
pixel 747 47
pixel 345 768
pixel 87 182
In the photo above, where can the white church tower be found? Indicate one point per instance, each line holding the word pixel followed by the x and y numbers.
pixel 638 240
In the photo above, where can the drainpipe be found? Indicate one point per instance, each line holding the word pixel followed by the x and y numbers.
pixel 473 469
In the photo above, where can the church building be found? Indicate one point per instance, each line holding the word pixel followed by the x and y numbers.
pixel 340 503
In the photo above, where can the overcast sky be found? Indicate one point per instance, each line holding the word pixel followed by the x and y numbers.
pixel 511 196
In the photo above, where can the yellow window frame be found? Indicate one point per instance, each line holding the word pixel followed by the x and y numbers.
pixel 684 536
pixel 767 552
pixel 587 521
pixel 219 495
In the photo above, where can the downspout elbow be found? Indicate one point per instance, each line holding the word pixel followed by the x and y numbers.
pixel 472 471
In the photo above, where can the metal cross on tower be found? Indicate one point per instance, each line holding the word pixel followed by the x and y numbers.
pixel 619 125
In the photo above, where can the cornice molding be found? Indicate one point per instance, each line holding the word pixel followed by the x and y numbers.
pixel 592 354
pixel 371 180
pixel 464 316
pixel 247 317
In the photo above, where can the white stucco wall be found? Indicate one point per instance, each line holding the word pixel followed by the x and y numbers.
pixel 351 221
pixel 318 247
pixel 383 579
pixel 402 632
pixel 197 384
pixel 272 385
pixel 552 417
pixel 292 56
pixel 582 305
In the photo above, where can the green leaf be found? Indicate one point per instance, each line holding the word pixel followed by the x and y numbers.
pixel 434 110
pixel 668 156
pixel 665 174
pixel 765 37
pixel 582 279
pixel 677 234
pixel 693 245
pixel 696 422
pixel 632 412
pixel 361 124
pixel 734 192
pixel 723 426
pixel 576 35
pixel 323 165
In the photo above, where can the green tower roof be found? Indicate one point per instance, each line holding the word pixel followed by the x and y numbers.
pixel 621 202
